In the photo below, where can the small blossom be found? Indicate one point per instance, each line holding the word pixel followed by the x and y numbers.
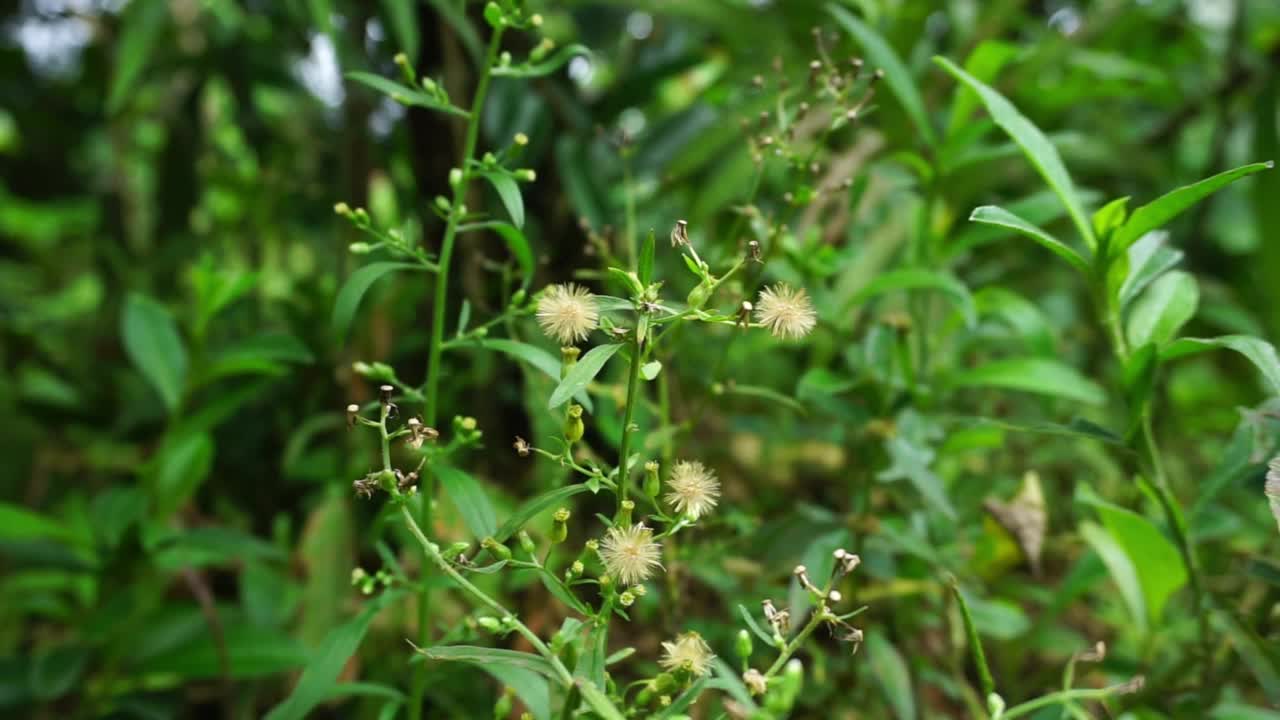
pixel 786 311
pixel 1272 488
pixel 693 488
pixel 689 652
pixel 568 313
pixel 630 553
pixel 755 681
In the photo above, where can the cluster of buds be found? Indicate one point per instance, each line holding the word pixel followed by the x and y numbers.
pixel 368 583
pixel 391 480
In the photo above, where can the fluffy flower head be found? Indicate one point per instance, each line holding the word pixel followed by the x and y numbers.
pixel 689 652
pixel 568 313
pixel 630 554
pixel 693 488
pixel 786 311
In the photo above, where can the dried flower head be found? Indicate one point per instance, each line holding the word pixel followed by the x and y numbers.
pixel 786 312
pixel 693 488
pixel 689 652
pixel 755 681
pixel 630 554
pixel 1272 488
pixel 522 446
pixel 568 313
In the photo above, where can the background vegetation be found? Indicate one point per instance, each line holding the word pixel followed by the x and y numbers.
pixel 183 319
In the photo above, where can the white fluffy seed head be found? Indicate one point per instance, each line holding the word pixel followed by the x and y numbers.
pixel 630 554
pixel 693 489
pixel 690 652
pixel 568 313
pixel 786 312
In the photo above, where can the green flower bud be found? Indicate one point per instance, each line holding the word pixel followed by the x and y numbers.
pixel 698 296
pixel 387 480
pixel 494 16
pixel 559 525
pixel 652 483
pixel 526 543
pixel 455 177
pixel 664 683
pixel 500 551
pixel 624 513
pixel 502 708
pixel 492 624
pixel 359 248
pixel 428 84
pixel 568 358
pixel 342 209
pixel 526 175
pixel 455 550
pixel 743 645
pixel 626 599
pixel 573 426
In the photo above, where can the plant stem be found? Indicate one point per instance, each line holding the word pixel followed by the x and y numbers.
pixel 432 552
pixel 432 385
pixel 633 387
pixel 1061 697
pixel 790 648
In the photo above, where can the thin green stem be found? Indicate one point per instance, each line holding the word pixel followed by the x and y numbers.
pixel 432 385
pixel 790 648
pixel 633 388
pixel 1062 697
pixel 432 552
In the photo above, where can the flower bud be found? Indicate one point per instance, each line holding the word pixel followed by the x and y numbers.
pixel 743 644
pixel 559 525
pixel 573 426
pixel 455 177
pixel 568 358
pixel 521 139
pixel 359 248
pixel 500 551
pixel 652 483
pixel 526 543
pixel 698 296
pixel 492 624
pixel 526 175
pixel 502 708
pixel 624 513
pixel 626 599
pixel 455 550
pixel 494 16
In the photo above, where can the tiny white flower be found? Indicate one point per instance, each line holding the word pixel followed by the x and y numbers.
pixel 693 487
pixel 690 652
pixel 568 313
pixel 786 311
pixel 1272 488
pixel 630 554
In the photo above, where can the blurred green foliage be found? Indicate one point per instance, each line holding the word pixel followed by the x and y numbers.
pixel 182 321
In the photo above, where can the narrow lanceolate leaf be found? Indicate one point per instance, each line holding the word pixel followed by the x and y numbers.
pixel 896 74
pixel 517 243
pixel 1163 309
pixel 1034 375
pixel 1259 352
pixel 152 342
pixel 975 643
pixel 467 495
pixel 144 22
pixel 536 358
pixel 509 193
pixel 582 373
pixel 598 701
pixel 483 656
pixel 892 675
pixel 531 508
pixel 1042 154
pixel 1121 569
pixel 993 215
pixel 327 662
pixel 404 94
pixel 921 279
pixel 1168 206
pixel 344 308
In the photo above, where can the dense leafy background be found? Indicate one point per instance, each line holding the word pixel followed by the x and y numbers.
pixel 178 530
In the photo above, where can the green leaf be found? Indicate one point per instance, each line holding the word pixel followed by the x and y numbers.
pixel 404 94
pixel 1163 309
pixel 984 63
pixel 486 657
pixel 920 279
pixel 755 627
pixel 353 290
pixel 1259 352
pixel 263 354
pixel 143 23
pixel 684 700
pixel 537 358
pixel 645 271
pixel 582 373
pixel 517 243
pixel 1110 216
pixel 765 393
pixel 1039 151
pixel 591 661
pixel 20 523
pixel 1035 375
pixel 1146 260
pixel 179 469
pixel 891 675
pixel 1259 654
pixel 545 67
pixel 55 671
pixel 469 498
pixel 531 508
pixel 250 652
pixel 321 672
pixel 1157 563
pixel 1168 206
pixel 1121 568
pixel 993 215
pixel 598 701
pixel 896 74
pixel 530 687
pixel 403 19
pixel 1027 322
pixel 152 342
pixel 1078 428
pixel 509 193
pixel 987 684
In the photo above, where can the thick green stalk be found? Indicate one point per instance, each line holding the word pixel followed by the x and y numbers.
pixel 633 387
pixel 432 385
